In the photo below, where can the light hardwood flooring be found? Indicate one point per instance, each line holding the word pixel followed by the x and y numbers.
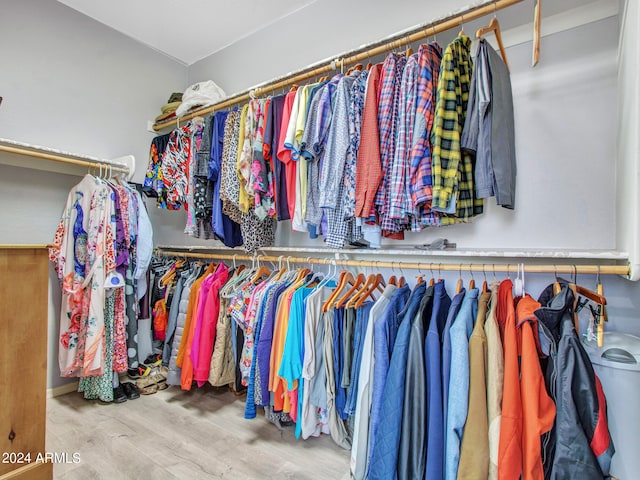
pixel 173 434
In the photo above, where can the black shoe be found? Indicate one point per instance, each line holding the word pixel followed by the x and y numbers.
pixel 153 360
pixel 138 372
pixel 118 395
pixel 130 390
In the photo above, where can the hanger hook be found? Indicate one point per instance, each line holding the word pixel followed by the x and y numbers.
pixel 575 274
pixel 471 271
pixel 508 271
pixel 431 269
pixel 462 23
pixel 484 272
pixel 555 271
pixel 495 8
pixel 598 275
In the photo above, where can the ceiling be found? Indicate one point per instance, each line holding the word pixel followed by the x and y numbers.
pixel 187 36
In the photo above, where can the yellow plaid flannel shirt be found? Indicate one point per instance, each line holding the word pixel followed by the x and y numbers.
pixel 452 171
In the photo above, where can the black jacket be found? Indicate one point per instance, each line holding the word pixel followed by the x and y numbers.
pixel 579 445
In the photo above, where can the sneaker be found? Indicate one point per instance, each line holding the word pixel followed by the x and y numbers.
pixel 130 390
pixel 119 395
pixel 153 360
pixel 139 371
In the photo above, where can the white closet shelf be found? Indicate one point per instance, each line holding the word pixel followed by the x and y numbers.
pixel 478 253
pixel 20 154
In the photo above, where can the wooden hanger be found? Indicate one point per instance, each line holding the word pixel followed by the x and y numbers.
pixel 494 26
pixel 345 278
pixel 392 280
pixel 408 52
pixel 377 284
pixel 402 282
pixel 459 283
pixel 461 32
pixel 535 56
pixel 602 317
pixel 369 65
pixel 360 279
pixel 363 288
pixel 484 283
pixel 293 88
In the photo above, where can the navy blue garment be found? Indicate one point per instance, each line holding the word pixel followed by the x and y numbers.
pixel 384 458
pixel 435 418
pixel 338 358
pixel 224 228
pixel 217 142
pixel 362 320
pixel 271 137
pixel 456 303
pixel 413 433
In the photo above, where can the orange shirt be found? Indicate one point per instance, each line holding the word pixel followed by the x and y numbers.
pixel 538 409
pixel 277 384
pixel 368 163
pixel 510 449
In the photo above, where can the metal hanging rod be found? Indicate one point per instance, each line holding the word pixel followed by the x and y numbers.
pixel 453 267
pixel 63 159
pixel 400 40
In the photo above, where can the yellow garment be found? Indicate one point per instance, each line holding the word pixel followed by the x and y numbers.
pixel 243 199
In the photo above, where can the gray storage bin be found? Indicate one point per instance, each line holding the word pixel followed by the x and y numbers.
pixel 617 364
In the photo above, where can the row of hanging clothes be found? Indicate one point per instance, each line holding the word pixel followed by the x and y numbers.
pixel 418 383
pixel 416 141
pixel 101 253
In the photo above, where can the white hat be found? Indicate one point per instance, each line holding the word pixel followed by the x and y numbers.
pixel 200 94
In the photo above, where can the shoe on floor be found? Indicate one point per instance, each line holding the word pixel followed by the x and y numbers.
pixel 130 390
pixel 138 372
pixel 153 360
pixel 119 395
pixel 149 389
pixel 151 379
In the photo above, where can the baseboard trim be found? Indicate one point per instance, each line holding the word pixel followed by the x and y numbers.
pixel 62 390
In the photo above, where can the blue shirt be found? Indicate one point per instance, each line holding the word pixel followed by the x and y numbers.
pixel 456 303
pixel 435 421
pixel 459 389
pixel 362 320
pixel 385 329
pixel 384 458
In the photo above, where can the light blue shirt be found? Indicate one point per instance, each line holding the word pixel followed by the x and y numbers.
pixel 459 381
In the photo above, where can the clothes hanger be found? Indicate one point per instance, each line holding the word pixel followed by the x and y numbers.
pixel 345 278
pixel 602 312
pixel 432 280
pixel 360 279
pixel 472 282
pixel 556 285
pixel 459 283
pixel 494 26
pixel 461 32
pixel 401 281
pixel 262 271
pixel 377 284
pixel 484 283
pixel 535 56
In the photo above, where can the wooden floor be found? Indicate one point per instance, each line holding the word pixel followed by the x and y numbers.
pixel 182 435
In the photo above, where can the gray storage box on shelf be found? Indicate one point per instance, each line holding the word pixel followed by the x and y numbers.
pixel 617 364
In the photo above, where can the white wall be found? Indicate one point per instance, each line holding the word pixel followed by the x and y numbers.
pixel 71 83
